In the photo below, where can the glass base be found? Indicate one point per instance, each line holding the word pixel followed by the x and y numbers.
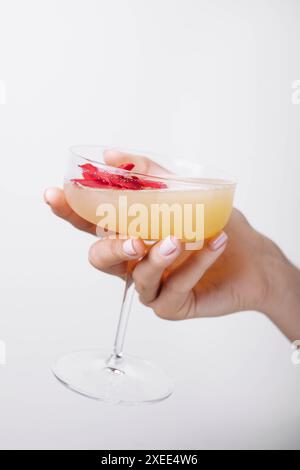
pixel 125 380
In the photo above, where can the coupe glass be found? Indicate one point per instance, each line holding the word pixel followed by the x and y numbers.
pixel 113 376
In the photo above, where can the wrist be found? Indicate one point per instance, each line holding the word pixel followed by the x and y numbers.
pixel 282 300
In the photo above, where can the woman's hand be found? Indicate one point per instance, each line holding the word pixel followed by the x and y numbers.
pixel 228 275
pixel 239 269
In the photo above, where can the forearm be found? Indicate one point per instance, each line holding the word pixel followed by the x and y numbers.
pixel 283 302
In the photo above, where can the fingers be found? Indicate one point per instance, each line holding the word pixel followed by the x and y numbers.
pixel 112 255
pixel 148 273
pixel 142 164
pixel 176 300
pixel 55 198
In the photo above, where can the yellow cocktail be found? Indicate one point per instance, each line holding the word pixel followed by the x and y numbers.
pixel 191 213
pixel 126 203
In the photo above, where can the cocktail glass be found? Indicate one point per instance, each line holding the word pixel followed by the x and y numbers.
pixel 122 202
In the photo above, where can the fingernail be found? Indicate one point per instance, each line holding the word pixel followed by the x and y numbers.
pixel 46 198
pixel 50 195
pixel 167 247
pixel 128 247
pixel 218 242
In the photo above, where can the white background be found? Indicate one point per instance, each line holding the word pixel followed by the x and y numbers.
pixel 207 80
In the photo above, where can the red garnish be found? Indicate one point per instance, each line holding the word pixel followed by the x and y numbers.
pixel 92 173
pixel 124 182
pixel 94 177
pixel 127 166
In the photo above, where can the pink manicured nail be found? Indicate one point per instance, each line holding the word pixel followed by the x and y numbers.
pixel 218 242
pixel 128 247
pixel 167 247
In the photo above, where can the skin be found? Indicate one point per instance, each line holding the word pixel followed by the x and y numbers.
pixel 240 269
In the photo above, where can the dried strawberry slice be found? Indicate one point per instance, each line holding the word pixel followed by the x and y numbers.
pixel 90 172
pixel 143 182
pixel 127 166
pixel 125 182
pixel 112 179
pixel 93 177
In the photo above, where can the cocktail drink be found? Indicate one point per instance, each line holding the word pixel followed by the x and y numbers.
pixel 174 202
pixel 124 203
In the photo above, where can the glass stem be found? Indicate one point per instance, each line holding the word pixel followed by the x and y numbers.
pixel 124 316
